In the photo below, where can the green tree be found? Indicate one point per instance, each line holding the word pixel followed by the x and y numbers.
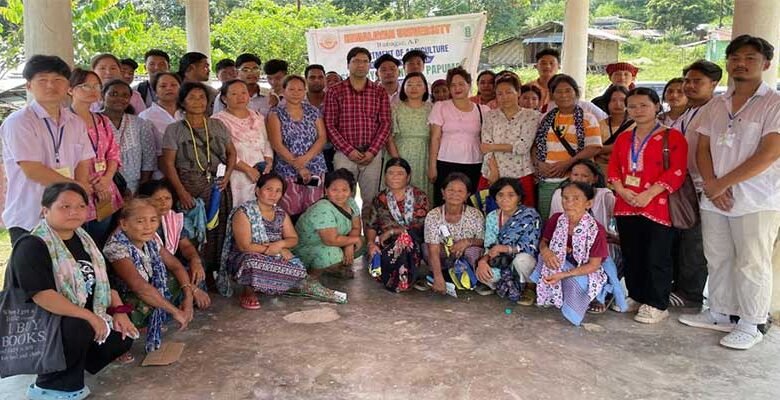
pixel 665 14
pixel 11 47
pixel 271 30
pixel 545 11
pixel 631 9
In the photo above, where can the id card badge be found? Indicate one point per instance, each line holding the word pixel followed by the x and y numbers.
pixel 100 166
pixel 64 171
pixel 632 180
pixel 221 168
pixel 444 231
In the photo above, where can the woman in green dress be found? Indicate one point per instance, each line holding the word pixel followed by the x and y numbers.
pixel 411 132
pixel 329 237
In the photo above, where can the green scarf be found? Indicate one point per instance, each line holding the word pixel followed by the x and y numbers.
pixel 67 274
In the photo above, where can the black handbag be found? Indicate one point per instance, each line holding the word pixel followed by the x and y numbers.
pixel 30 337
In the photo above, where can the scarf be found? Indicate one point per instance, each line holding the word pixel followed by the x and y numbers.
pixel 158 279
pixel 252 211
pixel 67 275
pixel 172 223
pixel 520 231
pixel 406 218
pixel 195 221
pixel 548 123
pixel 582 240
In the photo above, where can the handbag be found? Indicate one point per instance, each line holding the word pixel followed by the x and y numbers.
pixel 684 202
pixel 30 336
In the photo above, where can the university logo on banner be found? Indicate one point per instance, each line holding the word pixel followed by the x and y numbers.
pixel 448 41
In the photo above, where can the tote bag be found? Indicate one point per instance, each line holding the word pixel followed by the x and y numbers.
pixel 30 337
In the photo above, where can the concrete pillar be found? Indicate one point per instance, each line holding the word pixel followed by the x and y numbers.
pixel 196 14
pixel 759 18
pixel 48 28
pixel 774 307
pixel 575 41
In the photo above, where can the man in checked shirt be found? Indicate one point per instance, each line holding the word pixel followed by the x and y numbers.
pixel 357 119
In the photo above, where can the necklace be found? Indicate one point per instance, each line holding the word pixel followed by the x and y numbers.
pixel 195 147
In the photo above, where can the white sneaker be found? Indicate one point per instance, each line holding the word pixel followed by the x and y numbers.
pixel 705 320
pixel 741 340
pixel 633 306
pixel 650 315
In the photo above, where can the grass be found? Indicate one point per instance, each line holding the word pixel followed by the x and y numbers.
pixel 5 252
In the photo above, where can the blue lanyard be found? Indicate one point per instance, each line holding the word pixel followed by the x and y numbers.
pixel 57 143
pixel 636 152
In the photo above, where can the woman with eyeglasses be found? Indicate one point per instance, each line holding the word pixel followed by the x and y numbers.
pixel 107 199
pixel 249 71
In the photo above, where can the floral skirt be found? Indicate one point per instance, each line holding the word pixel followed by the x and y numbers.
pixel 399 261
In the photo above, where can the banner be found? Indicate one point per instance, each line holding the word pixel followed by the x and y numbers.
pixel 448 41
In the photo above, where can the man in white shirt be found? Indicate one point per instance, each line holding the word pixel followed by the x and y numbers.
pixel 739 160
pixel 43 143
pixel 690 266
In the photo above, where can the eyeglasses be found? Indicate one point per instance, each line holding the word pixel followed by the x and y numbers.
pixel 89 88
pixel 248 70
pixel 120 95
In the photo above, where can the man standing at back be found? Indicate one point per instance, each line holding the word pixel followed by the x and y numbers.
pixel 738 157
pixel 357 118
pixel 155 61
pixel 690 266
pixel 43 143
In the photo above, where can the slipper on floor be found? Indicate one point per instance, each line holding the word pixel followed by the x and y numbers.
pixel 249 302
pixel 125 359
pixel 602 308
pixel 37 393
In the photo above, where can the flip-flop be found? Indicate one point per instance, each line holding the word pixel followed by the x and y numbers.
pixel 249 303
pixel 125 359
pixel 592 306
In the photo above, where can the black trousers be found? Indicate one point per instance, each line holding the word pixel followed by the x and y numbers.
pixel 647 256
pixel 15 233
pixel 690 265
pixel 82 353
pixel 444 168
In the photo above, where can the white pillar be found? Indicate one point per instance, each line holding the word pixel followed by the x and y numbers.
pixel 759 18
pixel 196 14
pixel 48 28
pixel 575 41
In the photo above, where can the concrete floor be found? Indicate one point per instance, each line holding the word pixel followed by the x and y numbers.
pixel 421 346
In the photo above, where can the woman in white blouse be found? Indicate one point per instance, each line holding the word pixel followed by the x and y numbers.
pixel 507 137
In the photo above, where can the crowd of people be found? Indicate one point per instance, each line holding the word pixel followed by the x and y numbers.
pixel 130 205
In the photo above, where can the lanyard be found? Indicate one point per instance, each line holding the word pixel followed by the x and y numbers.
pixel 683 128
pixel 195 146
pixel 636 152
pixel 500 219
pixel 57 143
pixel 732 116
pixel 96 142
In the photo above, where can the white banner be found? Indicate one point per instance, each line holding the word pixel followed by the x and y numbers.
pixel 448 41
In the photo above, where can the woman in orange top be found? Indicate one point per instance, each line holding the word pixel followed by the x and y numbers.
pixel 643 185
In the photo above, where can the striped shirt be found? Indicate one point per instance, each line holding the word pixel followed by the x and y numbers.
pixel 556 151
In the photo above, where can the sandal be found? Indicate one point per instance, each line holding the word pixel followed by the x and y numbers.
pixel 599 308
pixel 249 302
pixel 125 359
